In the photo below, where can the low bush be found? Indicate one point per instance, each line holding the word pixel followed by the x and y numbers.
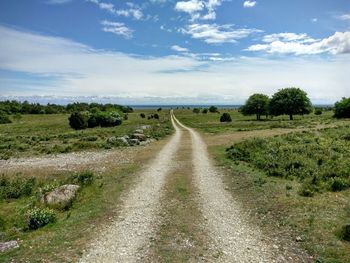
pixel 318 112
pixel 213 109
pixel 17 187
pixel 142 115
pixel 319 160
pixel 196 110
pixel 205 111
pixel 83 179
pixel 156 116
pixel 39 217
pixel 4 118
pixel 225 117
pixel 79 120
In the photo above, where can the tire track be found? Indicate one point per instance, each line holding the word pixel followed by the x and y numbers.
pixel 123 240
pixel 225 220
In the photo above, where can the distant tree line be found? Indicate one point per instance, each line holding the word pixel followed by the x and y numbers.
pixel 15 107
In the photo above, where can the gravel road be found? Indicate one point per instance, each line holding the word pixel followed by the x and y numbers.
pixel 122 240
pixel 224 219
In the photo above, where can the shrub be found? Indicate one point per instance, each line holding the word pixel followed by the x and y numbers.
pixel 4 118
pixel 225 117
pixel 342 108
pixel 126 117
pixel 159 109
pixel 205 111
pixel 38 217
pixel 196 110
pixel 83 178
pixel 213 109
pixel 338 184
pixel 17 187
pixel 156 116
pixel 79 120
pixel 318 112
pixel 142 115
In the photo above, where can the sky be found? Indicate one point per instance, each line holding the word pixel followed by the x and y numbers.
pixel 173 52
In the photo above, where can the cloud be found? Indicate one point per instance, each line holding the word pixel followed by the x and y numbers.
pixel 64 68
pixel 314 20
pixel 344 17
pixel 301 44
pixel 116 28
pixel 217 34
pixel 57 2
pixel 132 9
pixel 195 7
pixel 179 49
pixel 248 4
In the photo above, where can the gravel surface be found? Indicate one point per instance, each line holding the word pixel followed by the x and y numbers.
pixel 226 222
pixel 123 240
pixel 68 161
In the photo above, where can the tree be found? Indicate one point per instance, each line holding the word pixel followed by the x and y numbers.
pixel 225 117
pixel 156 116
pixel 213 109
pixel 342 108
pixel 256 104
pixel 205 111
pixel 290 101
pixel 159 109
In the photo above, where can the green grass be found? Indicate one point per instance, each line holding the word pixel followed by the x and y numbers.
pixel 63 240
pixel 319 159
pixel 46 134
pixel 210 122
pixel 278 207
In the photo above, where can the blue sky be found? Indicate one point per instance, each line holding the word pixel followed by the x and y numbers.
pixel 167 51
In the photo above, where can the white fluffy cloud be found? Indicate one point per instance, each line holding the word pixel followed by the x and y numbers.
pixel 132 10
pixel 249 3
pixel 217 34
pixel 195 8
pixel 179 49
pixel 302 44
pixel 344 17
pixel 78 69
pixel 116 28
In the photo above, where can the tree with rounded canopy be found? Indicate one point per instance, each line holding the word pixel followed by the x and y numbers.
pixel 342 108
pixel 256 104
pixel 290 101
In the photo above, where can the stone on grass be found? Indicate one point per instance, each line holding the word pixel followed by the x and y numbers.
pixel 139 136
pixel 138 131
pixel 8 245
pixel 123 141
pixel 62 197
pixel 112 140
pixel 145 127
pixel 134 142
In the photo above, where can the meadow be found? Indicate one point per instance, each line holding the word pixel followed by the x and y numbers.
pixel 41 134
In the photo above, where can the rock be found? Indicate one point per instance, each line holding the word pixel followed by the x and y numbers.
pixel 134 142
pixel 126 137
pixel 139 136
pixel 145 127
pixel 122 141
pixel 8 245
pixel 298 239
pixel 112 140
pixel 139 131
pixel 61 197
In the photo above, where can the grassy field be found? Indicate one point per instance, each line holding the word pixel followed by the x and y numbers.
pixel 272 176
pixel 210 123
pixel 48 134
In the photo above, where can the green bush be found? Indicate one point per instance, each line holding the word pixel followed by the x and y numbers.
pixel 4 118
pixel 225 117
pixel 79 120
pixel 196 110
pixel 142 115
pixel 339 184
pixel 318 112
pixel 342 108
pixel 213 109
pixel 205 111
pixel 83 178
pixel 38 217
pixel 156 116
pixel 16 187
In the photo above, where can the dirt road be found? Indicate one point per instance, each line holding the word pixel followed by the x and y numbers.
pixel 224 219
